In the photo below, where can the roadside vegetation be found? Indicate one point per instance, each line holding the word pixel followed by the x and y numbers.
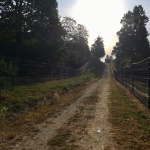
pixel 23 106
pixel 133 45
pixel 23 98
pixel 130 122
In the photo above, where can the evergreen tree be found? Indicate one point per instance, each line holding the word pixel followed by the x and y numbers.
pixel 133 43
pixel 98 48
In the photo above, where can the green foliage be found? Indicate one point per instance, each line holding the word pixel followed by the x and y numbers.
pixel 119 62
pixel 96 66
pixel 31 30
pixel 108 59
pixel 77 42
pixel 133 44
pixel 98 48
pixel 24 97
pixel 7 69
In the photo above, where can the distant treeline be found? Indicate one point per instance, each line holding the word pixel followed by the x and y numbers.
pixel 133 44
pixel 33 30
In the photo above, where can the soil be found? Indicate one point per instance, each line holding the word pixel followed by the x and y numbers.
pixel 85 121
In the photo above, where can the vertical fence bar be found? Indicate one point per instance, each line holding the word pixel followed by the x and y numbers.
pixel 132 77
pixel 122 76
pixel 126 76
pixel 148 78
pixel 12 81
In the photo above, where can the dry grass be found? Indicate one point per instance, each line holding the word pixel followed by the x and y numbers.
pixel 30 105
pixel 75 128
pixel 130 124
pixel 24 124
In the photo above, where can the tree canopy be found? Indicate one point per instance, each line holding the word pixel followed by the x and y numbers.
pixel 133 44
pixel 98 48
pixel 77 42
pixel 33 30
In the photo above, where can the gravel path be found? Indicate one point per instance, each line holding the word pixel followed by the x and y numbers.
pixel 97 137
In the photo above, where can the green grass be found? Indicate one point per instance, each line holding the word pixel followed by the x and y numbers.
pixel 24 106
pixel 22 97
pixel 130 110
pixel 139 85
pixel 60 141
pixel 133 126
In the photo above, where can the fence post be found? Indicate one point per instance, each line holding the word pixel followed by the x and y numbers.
pixel 12 80
pixel 66 74
pixel 132 78
pixel 122 76
pixel 148 77
pixel 126 76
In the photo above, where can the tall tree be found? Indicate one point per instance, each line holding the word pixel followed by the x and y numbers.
pixel 47 32
pixel 133 43
pixel 69 25
pixel 11 22
pixel 142 47
pixel 31 29
pixel 77 41
pixel 98 48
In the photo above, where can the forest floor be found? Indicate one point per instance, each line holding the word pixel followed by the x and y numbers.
pixel 100 116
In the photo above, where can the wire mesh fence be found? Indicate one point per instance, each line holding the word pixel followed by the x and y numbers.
pixel 30 72
pixel 136 78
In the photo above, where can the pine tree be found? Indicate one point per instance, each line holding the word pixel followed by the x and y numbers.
pixel 98 48
pixel 133 43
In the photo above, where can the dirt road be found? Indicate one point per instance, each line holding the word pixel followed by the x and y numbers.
pixel 85 121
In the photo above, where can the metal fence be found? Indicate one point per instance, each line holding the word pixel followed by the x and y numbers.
pixel 29 72
pixel 136 78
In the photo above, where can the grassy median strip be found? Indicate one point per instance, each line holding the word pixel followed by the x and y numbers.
pixel 68 136
pixel 130 127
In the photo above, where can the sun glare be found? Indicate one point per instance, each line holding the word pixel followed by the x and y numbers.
pixel 101 18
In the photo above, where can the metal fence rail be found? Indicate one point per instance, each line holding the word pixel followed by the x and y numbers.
pixel 29 72
pixel 136 78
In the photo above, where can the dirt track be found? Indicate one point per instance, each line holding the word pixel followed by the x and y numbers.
pixel 94 135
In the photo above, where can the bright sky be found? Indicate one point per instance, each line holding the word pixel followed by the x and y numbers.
pixel 101 17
